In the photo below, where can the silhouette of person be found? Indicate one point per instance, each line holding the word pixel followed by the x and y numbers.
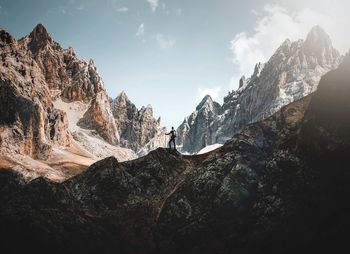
pixel 172 134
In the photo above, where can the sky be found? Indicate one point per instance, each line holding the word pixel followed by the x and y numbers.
pixel 171 53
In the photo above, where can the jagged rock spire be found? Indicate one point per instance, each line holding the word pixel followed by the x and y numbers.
pixel 40 37
pixel 319 44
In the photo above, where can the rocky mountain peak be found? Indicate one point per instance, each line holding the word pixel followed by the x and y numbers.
pixel 91 65
pixel 5 37
pixel 291 73
pixel 242 81
pixel 137 127
pixel 286 43
pixel 122 97
pixel 319 45
pixel 147 111
pixel 123 108
pixel 317 35
pixel 39 37
pixel 206 101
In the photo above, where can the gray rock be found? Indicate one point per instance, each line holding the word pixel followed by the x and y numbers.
pixel 138 129
pixel 291 73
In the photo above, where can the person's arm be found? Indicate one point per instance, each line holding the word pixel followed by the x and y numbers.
pixel 167 133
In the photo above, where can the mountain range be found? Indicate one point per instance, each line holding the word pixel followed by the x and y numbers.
pixel 56 117
pixel 291 73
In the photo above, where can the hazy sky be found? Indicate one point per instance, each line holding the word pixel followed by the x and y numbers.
pixel 170 53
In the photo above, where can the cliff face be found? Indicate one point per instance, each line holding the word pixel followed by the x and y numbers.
pixel 291 73
pixel 29 123
pixel 99 117
pixel 278 186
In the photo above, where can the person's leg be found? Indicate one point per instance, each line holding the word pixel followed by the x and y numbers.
pixel 169 143
pixel 174 144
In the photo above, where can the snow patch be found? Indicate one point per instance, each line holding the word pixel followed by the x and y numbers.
pixel 209 148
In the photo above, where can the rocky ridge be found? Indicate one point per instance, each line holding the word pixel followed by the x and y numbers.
pixel 291 73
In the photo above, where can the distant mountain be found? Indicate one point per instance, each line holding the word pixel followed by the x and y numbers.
pixel 138 129
pixel 194 132
pixel 291 73
pixel 56 115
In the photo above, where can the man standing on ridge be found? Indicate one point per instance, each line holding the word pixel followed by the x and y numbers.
pixel 172 134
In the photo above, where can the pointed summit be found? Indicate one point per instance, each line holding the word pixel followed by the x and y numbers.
pixel 208 103
pixel 5 37
pixel 318 36
pixel 122 97
pixel 39 38
pixel 40 33
pixel 207 100
pixel 319 44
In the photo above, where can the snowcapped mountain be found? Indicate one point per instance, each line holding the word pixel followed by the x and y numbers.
pixel 56 117
pixel 293 72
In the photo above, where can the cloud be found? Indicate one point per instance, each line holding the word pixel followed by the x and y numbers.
pixel 275 23
pixel 164 42
pixel 123 9
pixel 213 92
pixel 270 31
pixel 153 4
pixel 140 30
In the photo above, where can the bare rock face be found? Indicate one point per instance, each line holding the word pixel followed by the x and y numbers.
pixel 76 79
pixel 29 124
pixel 99 117
pixel 137 128
pixel 58 122
pixel 293 72
pixel 193 132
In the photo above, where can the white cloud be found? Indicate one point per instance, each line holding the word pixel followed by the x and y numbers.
pixel 140 30
pixel 123 9
pixel 164 42
pixel 275 24
pixel 270 31
pixel 153 4
pixel 213 92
